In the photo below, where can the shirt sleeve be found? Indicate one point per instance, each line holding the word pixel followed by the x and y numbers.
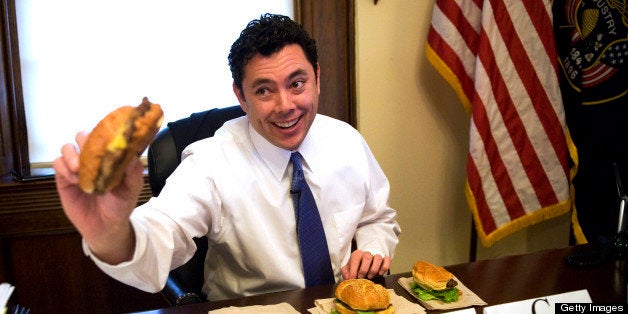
pixel 164 228
pixel 378 230
pixel 134 272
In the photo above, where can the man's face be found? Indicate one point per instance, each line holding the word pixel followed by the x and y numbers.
pixel 280 96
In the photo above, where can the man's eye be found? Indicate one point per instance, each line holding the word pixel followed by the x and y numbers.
pixel 262 91
pixel 298 84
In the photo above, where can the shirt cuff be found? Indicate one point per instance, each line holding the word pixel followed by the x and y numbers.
pixel 140 244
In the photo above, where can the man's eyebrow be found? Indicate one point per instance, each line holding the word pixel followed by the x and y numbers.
pixel 296 73
pixel 261 81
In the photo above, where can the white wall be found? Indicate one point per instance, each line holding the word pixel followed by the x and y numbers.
pixel 418 130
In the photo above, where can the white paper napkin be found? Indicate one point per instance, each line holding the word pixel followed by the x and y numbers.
pixel 5 293
pixel 467 298
pixel 401 304
pixel 281 308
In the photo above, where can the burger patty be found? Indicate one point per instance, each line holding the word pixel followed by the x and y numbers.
pixel 113 158
pixel 451 283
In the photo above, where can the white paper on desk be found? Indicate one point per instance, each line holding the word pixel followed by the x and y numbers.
pixel 5 293
pixel 463 311
pixel 281 308
pixel 541 306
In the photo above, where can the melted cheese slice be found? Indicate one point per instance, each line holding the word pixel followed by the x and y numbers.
pixel 119 142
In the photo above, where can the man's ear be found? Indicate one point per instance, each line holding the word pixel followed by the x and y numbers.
pixel 238 93
pixel 318 77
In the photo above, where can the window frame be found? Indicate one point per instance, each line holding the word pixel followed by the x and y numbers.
pixel 330 22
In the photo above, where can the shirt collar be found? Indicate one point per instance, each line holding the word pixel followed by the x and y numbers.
pixel 277 158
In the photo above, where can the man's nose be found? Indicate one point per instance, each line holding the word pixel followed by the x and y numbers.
pixel 284 101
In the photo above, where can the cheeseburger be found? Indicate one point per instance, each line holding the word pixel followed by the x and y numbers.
pixel 434 283
pixel 118 138
pixel 362 296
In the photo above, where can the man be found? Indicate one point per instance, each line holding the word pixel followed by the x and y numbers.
pixel 235 187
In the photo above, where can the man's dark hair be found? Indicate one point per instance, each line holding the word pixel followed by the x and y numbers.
pixel 267 36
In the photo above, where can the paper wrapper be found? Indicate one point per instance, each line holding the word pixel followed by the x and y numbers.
pixel 281 308
pixel 467 298
pixel 401 304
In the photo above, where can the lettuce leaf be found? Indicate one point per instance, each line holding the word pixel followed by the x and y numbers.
pixel 447 295
pixel 359 312
pixel 347 306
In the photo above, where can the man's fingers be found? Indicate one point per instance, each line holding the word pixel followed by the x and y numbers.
pixel 67 165
pixel 345 272
pixel 81 137
pixel 376 263
pixel 385 265
pixel 350 270
pixel 354 264
pixel 365 265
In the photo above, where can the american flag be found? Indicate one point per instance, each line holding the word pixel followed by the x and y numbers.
pixel 500 58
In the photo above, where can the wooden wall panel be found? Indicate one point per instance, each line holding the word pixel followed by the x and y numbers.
pixel 331 24
pixel 52 275
pixel 5 128
pixel 41 256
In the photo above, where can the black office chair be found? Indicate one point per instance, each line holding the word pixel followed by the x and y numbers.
pixel 185 283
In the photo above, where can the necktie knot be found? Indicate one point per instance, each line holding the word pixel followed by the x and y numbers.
pixel 297 172
pixel 296 159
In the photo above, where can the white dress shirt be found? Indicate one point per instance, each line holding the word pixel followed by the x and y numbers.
pixel 234 188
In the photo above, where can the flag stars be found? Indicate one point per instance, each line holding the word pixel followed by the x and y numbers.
pixel 616 54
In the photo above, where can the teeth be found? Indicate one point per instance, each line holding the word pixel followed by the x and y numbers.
pixel 287 124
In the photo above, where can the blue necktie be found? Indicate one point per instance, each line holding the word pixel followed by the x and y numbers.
pixel 314 252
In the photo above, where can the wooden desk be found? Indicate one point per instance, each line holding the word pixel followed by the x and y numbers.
pixel 496 281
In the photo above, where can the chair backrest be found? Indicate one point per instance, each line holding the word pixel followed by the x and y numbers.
pixel 184 284
pixel 164 154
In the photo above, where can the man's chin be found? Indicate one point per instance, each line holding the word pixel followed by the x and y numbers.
pixel 288 140
pixel 289 147
pixel 289 144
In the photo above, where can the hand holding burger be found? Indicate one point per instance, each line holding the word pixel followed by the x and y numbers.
pixel 362 296
pixel 103 160
pixel 434 283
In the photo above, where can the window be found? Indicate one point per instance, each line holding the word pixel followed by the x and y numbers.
pixel 330 22
pixel 78 67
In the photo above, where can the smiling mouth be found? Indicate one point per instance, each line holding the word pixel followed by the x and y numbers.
pixel 287 125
